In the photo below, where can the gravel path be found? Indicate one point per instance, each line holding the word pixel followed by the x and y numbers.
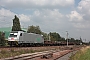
pixel 66 57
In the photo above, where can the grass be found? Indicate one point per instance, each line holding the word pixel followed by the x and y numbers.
pixel 83 54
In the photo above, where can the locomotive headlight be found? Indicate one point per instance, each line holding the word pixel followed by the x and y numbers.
pixel 9 38
pixel 15 39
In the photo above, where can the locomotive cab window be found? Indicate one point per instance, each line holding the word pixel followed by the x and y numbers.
pixel 21 34
pixel 13 35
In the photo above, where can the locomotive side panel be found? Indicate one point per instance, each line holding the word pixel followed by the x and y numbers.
pixel 31 38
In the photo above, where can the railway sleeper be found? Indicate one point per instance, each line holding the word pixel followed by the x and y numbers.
pixel 47 56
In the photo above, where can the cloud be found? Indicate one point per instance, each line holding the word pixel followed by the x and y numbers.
pixel 48 20
pixel 83 25
pixel 6 13
pixel 6 17
pixel 78 20
pixel 84 5
pixel 75 16
pixel 47 16
pixel 24 18
pixel 84 8
pixel 80 17
pixel 36 3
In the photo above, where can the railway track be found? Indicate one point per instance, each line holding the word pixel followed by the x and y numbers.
pixel 45 54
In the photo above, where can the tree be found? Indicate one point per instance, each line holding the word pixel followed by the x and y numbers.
pixel 54 36
pixel 45 36
pixel 34 29
pixel 71 40
pixel 37 30
pixel 62 39
pixel 16 24
pixel 31 29
pixel 2 39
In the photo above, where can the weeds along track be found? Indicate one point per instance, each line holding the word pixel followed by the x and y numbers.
pixel 2 47
pixel 36 49
pixel 33 48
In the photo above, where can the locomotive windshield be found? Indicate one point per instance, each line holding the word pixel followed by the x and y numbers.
pixel 13 35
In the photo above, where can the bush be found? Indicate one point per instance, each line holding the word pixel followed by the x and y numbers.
pixel 2 39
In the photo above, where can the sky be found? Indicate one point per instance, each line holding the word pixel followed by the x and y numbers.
pixel 50 15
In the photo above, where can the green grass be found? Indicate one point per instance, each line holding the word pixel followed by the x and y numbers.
pixel 83 54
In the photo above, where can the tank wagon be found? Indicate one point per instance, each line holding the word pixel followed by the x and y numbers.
pixel 20 38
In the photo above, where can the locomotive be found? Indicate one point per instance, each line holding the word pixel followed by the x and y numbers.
pixel 20 38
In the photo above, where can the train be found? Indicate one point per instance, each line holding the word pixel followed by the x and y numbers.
pixel 20 38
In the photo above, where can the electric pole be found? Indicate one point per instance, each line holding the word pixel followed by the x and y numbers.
pixel 67 38
pixel 49 36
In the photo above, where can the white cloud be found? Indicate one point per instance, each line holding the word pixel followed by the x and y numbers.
pixel 84 7
pixel 83 25
pixel 84 4
pixel 47 15
pixel 37 13
pixel 36 3
pixel 6 13
pixel 80 17
pixel 75 16
pixel 78 20
pixel 7 16
pixel 24 18
pixel 48 19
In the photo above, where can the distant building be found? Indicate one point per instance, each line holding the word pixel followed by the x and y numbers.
pixel 7 30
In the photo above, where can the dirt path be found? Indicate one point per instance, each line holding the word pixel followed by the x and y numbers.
pixel 66 57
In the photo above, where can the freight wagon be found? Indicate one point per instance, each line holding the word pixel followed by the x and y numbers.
pixel 20 38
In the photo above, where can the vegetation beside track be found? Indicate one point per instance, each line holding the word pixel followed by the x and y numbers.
pixel 83 54
pixel 12 52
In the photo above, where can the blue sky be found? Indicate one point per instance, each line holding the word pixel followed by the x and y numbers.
pixel 76 2
pixel 51 15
